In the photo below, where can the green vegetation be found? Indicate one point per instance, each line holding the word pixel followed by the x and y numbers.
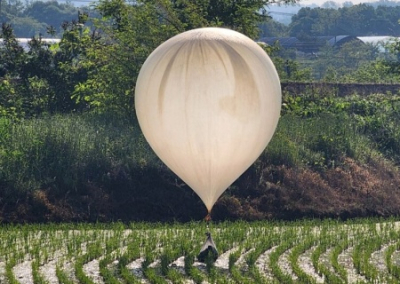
pixel 96 64
pixel 71 149
pixel 262 252
pixel 359 20
pixel 30 19
pixel 330 155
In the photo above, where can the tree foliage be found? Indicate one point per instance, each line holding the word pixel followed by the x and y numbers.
pixel 131 32
pixel 33 18
pixel 41 79
pixel 357 20
pixel 96 63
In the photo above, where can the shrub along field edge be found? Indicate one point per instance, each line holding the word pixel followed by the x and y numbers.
pixel 330 157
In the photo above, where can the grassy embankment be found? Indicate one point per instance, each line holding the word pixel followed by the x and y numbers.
pixel 330 157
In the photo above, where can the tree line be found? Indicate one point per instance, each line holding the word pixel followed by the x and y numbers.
pixel 96 63
pixel 356 20
pixel 34 18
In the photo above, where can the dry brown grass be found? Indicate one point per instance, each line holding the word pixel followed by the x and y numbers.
pixel 274 192
pixel 349 191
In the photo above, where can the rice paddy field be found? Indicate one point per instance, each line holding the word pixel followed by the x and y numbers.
pixel 357 251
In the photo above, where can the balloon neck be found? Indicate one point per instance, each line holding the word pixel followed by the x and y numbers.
pixel 208 218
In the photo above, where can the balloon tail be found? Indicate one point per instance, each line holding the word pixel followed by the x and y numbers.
pixel 208 219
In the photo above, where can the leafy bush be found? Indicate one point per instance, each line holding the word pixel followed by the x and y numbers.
pixel 63 152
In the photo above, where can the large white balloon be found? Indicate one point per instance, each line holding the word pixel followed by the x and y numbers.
pixel 208 102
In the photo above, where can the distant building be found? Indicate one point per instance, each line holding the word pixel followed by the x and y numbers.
pixel 24 41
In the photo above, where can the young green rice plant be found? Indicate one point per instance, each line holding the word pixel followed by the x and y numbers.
pixel 388 257
pixel 80 274
pixel 123 271
pixel 165 259
pixel 105 272
pixel 376 236
pixel 175 246
pixel 252 256
pixel 263 245
pixel 132 253
pixel 194 273
pixel 166 243
pixel 37 278
pixel 128 277
pixel 240 277
pixel 326 241
pixel 233 257
pixel 280 275
pixel 337 249
pixel 393 270
pixel 254 272
pixel 237 274
pixel 151 272
pixel 153 277
pixel 361 255
pixel 329 276
pixel 94 250
pixel 294 257
pixel 62 277
pixel 113 251
pixel 174 276
pixel 9 272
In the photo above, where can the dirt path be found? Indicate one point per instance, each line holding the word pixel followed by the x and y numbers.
pixel 23 272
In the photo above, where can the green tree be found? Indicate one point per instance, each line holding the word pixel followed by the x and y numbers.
pixel 26 27
pixel 344 60
pixel 271 28
pixel 393 64
pixel 357 20
pixel 376 71
pixel 42 78
pixel 131 32
pixel 50 13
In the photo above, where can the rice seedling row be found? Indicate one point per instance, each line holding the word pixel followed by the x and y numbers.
pixel 261 252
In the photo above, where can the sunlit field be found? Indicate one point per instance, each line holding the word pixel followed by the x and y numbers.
pixel 358 251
